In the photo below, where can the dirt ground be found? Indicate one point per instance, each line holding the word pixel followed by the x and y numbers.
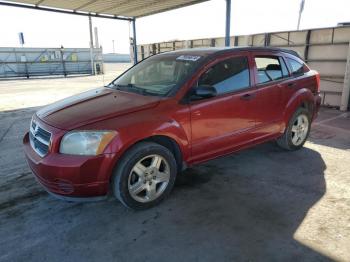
pixel 261 204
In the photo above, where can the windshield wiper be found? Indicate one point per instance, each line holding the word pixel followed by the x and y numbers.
pixel 130 87
pixel 134 88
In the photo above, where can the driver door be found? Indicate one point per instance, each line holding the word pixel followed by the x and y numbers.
pixel 221 123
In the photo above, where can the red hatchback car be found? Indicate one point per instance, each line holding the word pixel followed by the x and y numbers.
pixel 166 113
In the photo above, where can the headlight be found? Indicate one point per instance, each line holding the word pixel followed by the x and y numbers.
pixel 86 142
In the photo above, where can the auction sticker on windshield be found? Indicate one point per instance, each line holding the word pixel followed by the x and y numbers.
pixel 188 57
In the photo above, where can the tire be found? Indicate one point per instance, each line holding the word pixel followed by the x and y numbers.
pixel 144 176
pixel 289 140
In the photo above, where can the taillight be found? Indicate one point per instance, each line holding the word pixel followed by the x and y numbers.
pixel 318 81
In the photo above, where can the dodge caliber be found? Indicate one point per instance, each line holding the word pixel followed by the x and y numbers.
pixel 166 113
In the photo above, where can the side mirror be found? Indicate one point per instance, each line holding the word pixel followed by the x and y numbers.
pixel 204 91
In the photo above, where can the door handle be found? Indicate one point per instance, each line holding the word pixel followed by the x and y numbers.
pixel 291 84
pixel 247 96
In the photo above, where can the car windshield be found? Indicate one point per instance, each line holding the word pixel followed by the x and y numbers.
pixel 157 75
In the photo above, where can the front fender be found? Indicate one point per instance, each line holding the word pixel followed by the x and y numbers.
pixel 135 128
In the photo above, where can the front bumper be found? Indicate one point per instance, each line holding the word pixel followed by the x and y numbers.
pixel 71 177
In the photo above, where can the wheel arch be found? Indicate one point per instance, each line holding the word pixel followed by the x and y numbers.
pixel 170 144
pixel 161 139
pixel 302 98
pixel 308 105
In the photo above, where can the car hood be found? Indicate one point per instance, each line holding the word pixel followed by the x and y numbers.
pixel 92 106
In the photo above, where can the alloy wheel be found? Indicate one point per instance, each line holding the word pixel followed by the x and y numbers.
pixel 149 178
pixel 300 129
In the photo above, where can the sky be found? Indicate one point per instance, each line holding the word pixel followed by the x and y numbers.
pixel 205 20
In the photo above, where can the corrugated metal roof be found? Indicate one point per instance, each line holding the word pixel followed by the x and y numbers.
pixel 122 8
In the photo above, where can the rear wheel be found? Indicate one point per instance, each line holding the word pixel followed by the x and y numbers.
pixel 297 131
pixel 145 175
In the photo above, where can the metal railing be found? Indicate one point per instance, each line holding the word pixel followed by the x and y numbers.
pixel 29 62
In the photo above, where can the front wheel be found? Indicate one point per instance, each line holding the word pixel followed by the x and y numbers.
pixel 145 175
pixel 297 131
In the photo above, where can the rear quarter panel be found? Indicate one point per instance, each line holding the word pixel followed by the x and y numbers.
pixel 300 93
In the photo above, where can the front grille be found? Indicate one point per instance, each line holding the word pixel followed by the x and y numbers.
pixel 39 139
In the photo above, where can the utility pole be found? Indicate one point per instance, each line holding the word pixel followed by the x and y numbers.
pixel 97 44
pixel 301 9
pixel 113 47
pixel 21 38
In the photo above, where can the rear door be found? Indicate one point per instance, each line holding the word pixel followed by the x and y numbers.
pixel 270 73
pixel 220 123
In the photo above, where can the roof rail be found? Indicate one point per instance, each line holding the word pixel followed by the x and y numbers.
pixel 292 52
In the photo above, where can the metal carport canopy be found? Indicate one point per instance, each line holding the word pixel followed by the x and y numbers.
pixel 114 9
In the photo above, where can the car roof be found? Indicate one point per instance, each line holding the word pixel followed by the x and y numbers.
pixel 213 51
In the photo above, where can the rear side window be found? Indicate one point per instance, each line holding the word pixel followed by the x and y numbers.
pixel 227 76
pixel 270 69
pixel 297 67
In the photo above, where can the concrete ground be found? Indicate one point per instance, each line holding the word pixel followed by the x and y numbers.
pixel 262 204
pixel 33 92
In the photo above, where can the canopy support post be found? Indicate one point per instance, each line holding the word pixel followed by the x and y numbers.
pixel 134 40
pixel 345 102
pixel 228 23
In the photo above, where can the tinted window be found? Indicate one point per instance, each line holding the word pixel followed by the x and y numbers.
pixel 227 76
pixel 297 67
pixel 269 69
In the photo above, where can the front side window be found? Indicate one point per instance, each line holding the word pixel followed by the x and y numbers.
pixel 297 67
pixel 269 69
pixel 157 75
pixel 227 76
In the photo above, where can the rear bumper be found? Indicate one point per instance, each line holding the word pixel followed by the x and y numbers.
pixel 71 177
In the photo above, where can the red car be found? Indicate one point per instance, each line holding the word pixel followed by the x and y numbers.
pixel 168 112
